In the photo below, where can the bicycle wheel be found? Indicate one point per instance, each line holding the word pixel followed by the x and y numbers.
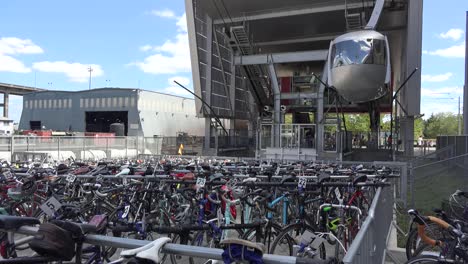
pixel 269 234
pixel 424 260
pixel 290 237
pixel 414 246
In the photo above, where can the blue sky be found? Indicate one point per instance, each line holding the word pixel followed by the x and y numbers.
pixel 51 44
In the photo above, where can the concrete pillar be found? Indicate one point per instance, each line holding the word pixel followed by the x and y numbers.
pixel 207 133
pixel 6 97
pixel 407 135
pixel 319 116
pixel 276 106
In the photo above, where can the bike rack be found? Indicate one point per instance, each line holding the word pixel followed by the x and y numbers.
pixel 170 248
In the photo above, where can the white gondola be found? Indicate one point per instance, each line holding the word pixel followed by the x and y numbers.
pixel 359 66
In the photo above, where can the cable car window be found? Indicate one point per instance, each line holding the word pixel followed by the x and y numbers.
pixel 371 51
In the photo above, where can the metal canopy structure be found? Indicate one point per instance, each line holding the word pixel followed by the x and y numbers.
pixel 244 53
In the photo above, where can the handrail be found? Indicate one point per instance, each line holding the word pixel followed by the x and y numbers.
pixel 170 248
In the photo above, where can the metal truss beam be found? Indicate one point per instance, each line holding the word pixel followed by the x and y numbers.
pixel 315 55
pixel 290 12
pixel 299 96
pixel 294 40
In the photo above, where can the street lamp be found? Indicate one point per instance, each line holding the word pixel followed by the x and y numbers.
pixel 107 83
pixel 90 70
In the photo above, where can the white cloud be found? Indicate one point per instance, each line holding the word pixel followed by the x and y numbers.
pixel 10 64
pixel 177 90
pixel 11 46
pixel 453 33
pixel 146 48
pixel 172 57
pixel 182 23
pixel 457 51
pixel 436 78
pixel 166 13
pixel 76 72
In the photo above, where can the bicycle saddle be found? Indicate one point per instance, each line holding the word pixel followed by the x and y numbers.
pixel 14 222
pixel 256 246
pixel 288 179
pixel 362 178
pixel 150 251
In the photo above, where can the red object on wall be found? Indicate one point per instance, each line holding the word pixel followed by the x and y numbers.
pixel 101 139
pixel 285 83
pixel 39 133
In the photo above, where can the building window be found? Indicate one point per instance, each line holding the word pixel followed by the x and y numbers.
pixel 132 102
pixel 91 102
pixel 114 104
pixel 69 103
pixel 86 102
pixel 81 103
pixel 120 102
pixel 126 102
pixel 54 104
pixel 109 102
pixel 65 104
pixel 26 104
pixel 59 103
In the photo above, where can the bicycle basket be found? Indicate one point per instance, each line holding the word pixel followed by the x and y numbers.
pixel 454 210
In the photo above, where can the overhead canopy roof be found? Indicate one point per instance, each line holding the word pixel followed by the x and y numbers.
pixel 279 26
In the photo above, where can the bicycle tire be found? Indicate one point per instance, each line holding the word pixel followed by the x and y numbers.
pixel 299 229
pixel 424 259
pixel 273 229
pixel 414 246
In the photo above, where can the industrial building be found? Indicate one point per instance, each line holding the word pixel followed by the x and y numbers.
pixel 143 113
pixel 256 61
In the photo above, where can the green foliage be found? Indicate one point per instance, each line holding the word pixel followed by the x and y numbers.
pixel 358 122
pixel 418 127
pixel 441 124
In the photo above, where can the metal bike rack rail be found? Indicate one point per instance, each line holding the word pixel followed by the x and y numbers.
pixel 171 248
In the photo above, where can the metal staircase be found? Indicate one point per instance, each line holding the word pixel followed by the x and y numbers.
pixel 241 37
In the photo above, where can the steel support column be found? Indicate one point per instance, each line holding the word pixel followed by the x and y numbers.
pixel 209 42
pixel 320 120
pixel 410 95
pixel 277 105
pixel 465 91
pixel 6 97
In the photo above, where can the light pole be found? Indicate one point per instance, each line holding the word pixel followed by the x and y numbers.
pixel 90 70
pixel 49 84
pixel 459 117
pixel 107 83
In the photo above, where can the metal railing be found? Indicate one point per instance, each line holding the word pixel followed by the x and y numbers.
pixel 370 244
pixel 94 148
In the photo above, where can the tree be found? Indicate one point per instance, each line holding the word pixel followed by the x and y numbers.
pixel 358 122
pixel 441 124
pixel 418 127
